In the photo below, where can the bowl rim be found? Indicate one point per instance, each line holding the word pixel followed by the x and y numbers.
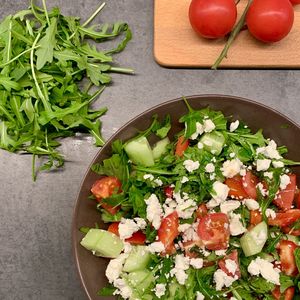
pixel 74 230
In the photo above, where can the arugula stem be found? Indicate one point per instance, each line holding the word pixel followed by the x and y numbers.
pixel 236 29
pixel 46 12
pixel 91 18
pixel 122 70
pixel 9 41
pixel 187 104
pixel 96 94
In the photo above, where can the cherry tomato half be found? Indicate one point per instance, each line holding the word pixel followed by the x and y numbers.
pixel 286 218
pixel 286 253
pixel 236 189
pixel 181 146
pixel 213 230
pixel 249 184
pixel 270 20
pixel 212 18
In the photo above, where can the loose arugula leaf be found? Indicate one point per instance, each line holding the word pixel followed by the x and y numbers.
pixel 107 291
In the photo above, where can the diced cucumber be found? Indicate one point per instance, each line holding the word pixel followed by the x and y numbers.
pixel 135 296
pixel 160 148
pixel 175 287
pixel 140 280
pixel 254 240
pixel 140 152
pixel 213 142
pixel 138 259
pixel 102 243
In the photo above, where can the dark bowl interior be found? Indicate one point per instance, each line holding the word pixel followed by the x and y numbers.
pixel 91 269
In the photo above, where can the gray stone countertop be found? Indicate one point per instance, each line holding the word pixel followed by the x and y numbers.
pixel 36 259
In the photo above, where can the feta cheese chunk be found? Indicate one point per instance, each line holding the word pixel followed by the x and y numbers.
pixel 219 195
pixel 127 227
pixel 236 227
pixel 156 247
pixel 231 168
pixel 123 289
pixel 199 296
pixel 269 151
pixel 222 279
pixel 229 205
pixel 278 164
pixel 231 266
pixel 191 165
pixel 284 181
pixel 234 125
pixel 160 290
pixel 115 267
pixel 181 265
pixel 197 263
pixel 263 164
pixel 251 204
pixel 270 213
pixel 154 211
pixel 210 168
pixel 208 125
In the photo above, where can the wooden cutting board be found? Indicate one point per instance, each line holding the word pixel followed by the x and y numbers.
pixel 177 45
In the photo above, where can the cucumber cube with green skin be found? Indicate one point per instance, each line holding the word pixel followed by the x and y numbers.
pixel 253 241
pixel 140 152
pixel 213 142
pixel 138 259
pixel 102 243
pixel 140 280
pixel 160 148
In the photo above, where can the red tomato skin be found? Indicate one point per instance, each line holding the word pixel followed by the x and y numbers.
pixel 284 199
pixel 201 211
pixel 233 256
pixel 294 2
pixel 297 198
pixel 137 238
pixel 168 191
pixel 250 182
pixel 181 146
pixel 288 293
pixel 213 230
pixel 236 189
pixel 255 217
pixel 105 187
pixel 286 253
pixel 212 18
pixel 286 218
pixel 289 230
pixel 168 229
pixel 270 20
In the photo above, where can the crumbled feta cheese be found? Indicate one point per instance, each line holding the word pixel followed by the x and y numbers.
pixel 190 233
pixel 229 205
pixel 278 164
pixel 199 131
pixel 184 179
pixel 123 289
pixel 236 227
pixel 197 263
pixel 158 182
pixel 199 296
pixel 154 211
pixel 268 174
pixel 261 189
pixel 232 154
pixel 263 164
pixel 156 247
pixel 185 206
pixel 127 227
pixel 220 252
pixel 184 227
pixel 200 145
pixel 266 269
pixel 243 172
pixel 232 298
pixel 169 206
pixel 208 125
pixel 140 222
pixel 204 252
pixel 115 267
pixel 284 181
pixel 270 213
pixel 234 125
pixel 222 279
pixel 210 168
pixel 148 176
pixel 191 165
pixel 269 151
pixel 181 265
pixel 160 289
pixel 231 168
pixel 219 195
pixel 251 204
pixel 231 266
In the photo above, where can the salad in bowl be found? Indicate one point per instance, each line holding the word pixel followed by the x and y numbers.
pixel 210 211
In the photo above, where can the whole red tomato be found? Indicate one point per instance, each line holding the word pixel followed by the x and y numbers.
pixel 270 20
pixel 212 18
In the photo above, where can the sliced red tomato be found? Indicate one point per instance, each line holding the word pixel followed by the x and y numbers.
pixel 297 198
pixel 168 230
pixel 286 253
pixel 284 199
pixel 181 146
pixel 137 238
pixel 168 191
pixel 187 246
pixel 288 293
pixel 234 257
pixel 105 187
pixel 255 217
pixel 250 182
pixel 286 218
pixel 236 189
pixel 201 211
pixel 291 231
pixel 213 230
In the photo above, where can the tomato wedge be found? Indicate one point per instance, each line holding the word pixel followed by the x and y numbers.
pixel 168 191
pixel 286 218
pixel 250 182
pixel 201 211
pixel 181 146
pixel 255 217
pixel 234 257
pixel 286 253
pixel 137 238
pixel 284 199
pixel 105 187
pixel 213 230
pixel 288 293
pixel 168 230
pixel 236 189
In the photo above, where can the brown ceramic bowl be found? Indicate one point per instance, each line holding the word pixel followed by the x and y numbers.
pixel 91 269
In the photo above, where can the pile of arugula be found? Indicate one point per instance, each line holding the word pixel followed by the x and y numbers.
pixel 44 56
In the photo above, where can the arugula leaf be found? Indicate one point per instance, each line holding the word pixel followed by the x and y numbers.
pixel 136 198
pixel 106 291
pixel 261 285
pixel 297 258
pixel 285 282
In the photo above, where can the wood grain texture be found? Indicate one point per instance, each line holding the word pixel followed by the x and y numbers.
pixel 177 45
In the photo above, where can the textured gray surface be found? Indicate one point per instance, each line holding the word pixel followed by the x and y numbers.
pixel 35 238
